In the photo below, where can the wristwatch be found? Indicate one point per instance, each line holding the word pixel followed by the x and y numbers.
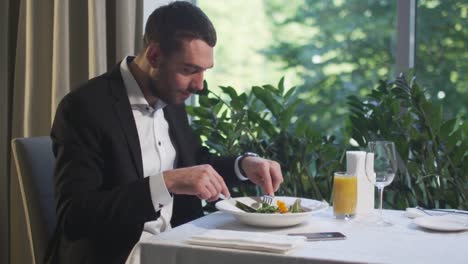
pixel 245 155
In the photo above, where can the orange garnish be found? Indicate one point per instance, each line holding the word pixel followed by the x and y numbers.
pixel 282 207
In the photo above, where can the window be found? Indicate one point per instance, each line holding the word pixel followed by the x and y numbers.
pixel 442 54
pixel 243 30
pixel 331 49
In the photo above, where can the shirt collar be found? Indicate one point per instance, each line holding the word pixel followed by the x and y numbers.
pixel 135 96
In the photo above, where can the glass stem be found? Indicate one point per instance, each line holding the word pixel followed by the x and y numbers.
pixel 380 203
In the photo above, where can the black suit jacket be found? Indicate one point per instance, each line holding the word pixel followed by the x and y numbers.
pixel 102 196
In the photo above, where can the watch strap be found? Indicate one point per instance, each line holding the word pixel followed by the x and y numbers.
pixel 245 155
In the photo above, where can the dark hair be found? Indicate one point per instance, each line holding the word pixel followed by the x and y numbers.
pixel 170 24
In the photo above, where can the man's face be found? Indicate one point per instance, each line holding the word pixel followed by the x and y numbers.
pixel 180 74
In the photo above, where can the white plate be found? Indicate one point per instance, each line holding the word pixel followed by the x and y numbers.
pixel 443 222
pixel 270 220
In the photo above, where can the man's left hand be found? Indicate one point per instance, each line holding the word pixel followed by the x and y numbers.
pixel 265 173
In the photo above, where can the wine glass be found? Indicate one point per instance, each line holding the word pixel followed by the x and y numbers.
pixel 380 170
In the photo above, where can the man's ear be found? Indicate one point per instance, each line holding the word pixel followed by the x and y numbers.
pixel 153 54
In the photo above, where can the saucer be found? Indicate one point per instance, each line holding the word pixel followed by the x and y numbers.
pixel 447 223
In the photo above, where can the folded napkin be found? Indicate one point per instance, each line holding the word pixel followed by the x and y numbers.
pixel 248 240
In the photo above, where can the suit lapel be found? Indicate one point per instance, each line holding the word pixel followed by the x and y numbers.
pixel 175 138
pixel 123 111
pixel 181 137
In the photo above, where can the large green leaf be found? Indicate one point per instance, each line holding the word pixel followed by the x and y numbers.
pixel 286 116
pixel 267 99
pixel 231 92
pixel 433 114
pixel 281 86
pixel 447 128
pixel 290 92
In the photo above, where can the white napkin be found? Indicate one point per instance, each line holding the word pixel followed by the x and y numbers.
pixel 248 240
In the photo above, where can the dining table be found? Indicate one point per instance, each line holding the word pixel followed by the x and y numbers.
pixel 365 242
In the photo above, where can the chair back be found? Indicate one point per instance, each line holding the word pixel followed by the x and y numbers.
pixel 35 161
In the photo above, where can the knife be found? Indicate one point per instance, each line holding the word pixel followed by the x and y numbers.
pixel 238 204
pixel 451 211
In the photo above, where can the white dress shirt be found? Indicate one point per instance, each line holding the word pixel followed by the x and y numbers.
pixel 157 151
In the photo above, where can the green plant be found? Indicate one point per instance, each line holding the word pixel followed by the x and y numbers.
pixel 433 150
pixel 265 121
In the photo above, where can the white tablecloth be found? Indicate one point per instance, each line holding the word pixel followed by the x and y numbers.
pixel 404 242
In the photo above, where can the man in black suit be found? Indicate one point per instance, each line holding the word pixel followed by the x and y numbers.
pixel 127 159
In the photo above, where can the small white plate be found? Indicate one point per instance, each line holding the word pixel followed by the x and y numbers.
pixel 270 220
pixel 448 223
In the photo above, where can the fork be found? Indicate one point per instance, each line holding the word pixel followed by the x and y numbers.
pixel 268 199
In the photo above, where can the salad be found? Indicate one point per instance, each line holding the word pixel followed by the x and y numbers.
pixel 266 208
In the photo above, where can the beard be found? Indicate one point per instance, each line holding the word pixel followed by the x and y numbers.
pixel 165 87
pixel 154 89
pixel 170 94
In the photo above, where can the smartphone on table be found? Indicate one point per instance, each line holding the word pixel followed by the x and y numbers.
pixel 321 236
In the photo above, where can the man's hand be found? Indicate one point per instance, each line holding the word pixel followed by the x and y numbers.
pixel 202 181
pixel 265 173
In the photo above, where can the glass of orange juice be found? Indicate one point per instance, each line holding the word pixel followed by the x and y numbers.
pixel 344 195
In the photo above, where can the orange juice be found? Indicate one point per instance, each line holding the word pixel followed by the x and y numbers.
pixel 344 195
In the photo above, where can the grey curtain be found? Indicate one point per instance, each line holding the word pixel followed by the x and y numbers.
pixel 48 47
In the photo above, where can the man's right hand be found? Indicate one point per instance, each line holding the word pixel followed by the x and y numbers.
pixel 202 181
